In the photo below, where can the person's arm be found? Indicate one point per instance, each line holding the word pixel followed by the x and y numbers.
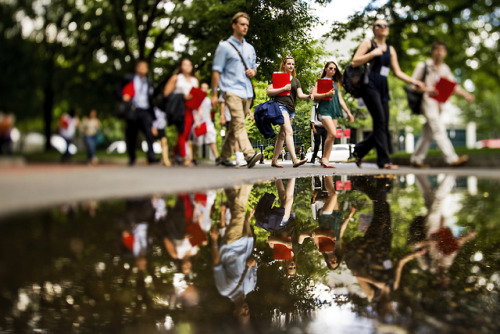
pixel 464 239
pixel 214 235
pixel 271 91
pixel 301 95
pixel 362 57
pixel 402 263
pixel 169 245
pixel 400 74
pixel 344 224
pixel 313 127
pixel 343 105
pixel 463 93
pixel 318 97
pixel 277 241
pixel 215 85
pixel 170 86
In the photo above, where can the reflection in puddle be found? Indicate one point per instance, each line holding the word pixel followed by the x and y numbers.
pixel 364 254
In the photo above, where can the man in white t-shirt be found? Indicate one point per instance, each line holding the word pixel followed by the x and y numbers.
pixel 435 129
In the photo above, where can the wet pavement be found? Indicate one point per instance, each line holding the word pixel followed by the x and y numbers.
pixel 398 253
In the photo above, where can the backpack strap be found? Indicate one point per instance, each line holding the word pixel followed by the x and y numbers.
pixel 239 54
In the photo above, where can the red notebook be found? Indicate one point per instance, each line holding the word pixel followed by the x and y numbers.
pixel 197 236
pixel 444 88
pixel 324 86
pixel 280 80
pixel 200 130
pixel 198 97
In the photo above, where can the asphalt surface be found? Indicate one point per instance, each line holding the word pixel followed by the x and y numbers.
pixel 37 186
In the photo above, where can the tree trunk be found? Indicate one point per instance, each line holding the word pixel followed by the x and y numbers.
pixel 48 103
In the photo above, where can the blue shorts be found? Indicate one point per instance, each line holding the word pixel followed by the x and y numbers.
pixel 282 107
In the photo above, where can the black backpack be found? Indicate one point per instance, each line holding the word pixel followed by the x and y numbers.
pixel 354 78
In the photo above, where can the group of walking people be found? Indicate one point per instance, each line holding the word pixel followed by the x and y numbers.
pixel 234 66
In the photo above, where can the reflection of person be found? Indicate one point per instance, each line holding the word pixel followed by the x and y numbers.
pixel 330 111
pixel 233 77
pixel 442 246
pixel 139 90
pixel 375 94
pixel 67 129
pixel 182 235
pixel 159 125
pixel 368 256
pixel 286 105
pixel 181 83
pixel 434 128
pixel 328 236
pixel 235 269
pixel 281 243
pixel 90 127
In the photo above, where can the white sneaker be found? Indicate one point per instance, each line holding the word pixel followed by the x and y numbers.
pixel 240 159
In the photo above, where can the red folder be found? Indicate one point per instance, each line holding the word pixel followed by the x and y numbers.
pixel 280 80
pixel 197 98
pixel 347 133
pixel 197 236
pixel 339 133
pixel 324 86
pixel 444 88
pixel 201 129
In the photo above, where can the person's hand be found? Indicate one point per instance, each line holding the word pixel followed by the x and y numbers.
pixel 311 97
pixel 469 97
pixel 252 117
pixel 287 88
pixel 315 131
pixel 353 209
pixel 351 117
pixel 214 234
pixel 250 73
pixel 215 100
pixel 377 52
pixel 251 262
pixel 331 93
pixel 188 97
pixel 419 84
pixel 222 120
pixel 126 98
pixel 154 131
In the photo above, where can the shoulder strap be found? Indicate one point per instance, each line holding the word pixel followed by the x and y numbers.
pixel 425 71
pixel 239 54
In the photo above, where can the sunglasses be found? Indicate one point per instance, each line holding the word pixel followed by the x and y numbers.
pixel 331 68
pixel 382 26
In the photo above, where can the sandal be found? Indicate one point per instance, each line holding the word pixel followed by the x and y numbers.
pixel 299 163
pixel 389 166
pixel 326 165
pixel 275 165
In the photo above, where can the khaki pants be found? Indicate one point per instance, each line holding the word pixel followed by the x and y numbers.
pixel 239 226
pixel 238 108
pixel 433 129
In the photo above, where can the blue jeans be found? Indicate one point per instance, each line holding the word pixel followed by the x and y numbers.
pixel 91 143
pixel 282 107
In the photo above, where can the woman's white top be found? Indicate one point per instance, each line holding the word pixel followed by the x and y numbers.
pixel 183 85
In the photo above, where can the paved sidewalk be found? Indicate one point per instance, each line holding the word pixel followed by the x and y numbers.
pixel 38 186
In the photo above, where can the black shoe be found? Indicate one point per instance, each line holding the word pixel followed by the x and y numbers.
pixel 153 161
pixel 217 161
pixel 228 163
pixel 131 163
pixel 253 159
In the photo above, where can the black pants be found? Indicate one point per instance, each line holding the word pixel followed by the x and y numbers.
pixel 142 121
pixel 379 138
pixel 319 137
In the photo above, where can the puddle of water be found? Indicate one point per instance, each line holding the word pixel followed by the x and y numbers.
pixel 364 254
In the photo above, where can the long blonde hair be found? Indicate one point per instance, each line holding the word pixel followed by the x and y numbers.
pixel 282 66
